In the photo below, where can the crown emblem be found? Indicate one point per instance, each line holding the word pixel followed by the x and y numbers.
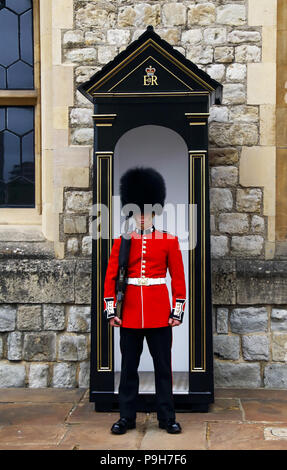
pixel 150 70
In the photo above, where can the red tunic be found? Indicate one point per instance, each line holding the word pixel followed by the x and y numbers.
pixel 152 251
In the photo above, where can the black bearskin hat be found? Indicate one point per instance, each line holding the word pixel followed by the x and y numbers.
pixel 142 185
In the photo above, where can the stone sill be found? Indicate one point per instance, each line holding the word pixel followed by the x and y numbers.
pixel 24 241
pixel 21 233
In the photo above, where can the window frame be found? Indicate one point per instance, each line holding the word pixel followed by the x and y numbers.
pixel 23 97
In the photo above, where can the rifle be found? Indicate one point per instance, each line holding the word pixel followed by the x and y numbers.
pixel 122 273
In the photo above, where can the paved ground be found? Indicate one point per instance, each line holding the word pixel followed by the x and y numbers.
pixel 64 419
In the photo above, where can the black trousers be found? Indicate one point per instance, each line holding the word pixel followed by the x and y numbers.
pixel 159 342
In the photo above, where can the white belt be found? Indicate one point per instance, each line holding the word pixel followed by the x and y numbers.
pixel 145 281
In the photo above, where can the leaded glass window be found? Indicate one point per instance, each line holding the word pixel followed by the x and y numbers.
pixel 17 141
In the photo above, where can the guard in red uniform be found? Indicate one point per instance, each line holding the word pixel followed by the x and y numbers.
pixel 147 311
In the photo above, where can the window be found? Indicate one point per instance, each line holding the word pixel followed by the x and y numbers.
pixel 19 104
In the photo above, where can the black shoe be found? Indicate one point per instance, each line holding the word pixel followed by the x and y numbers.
pixel 121 426
pixel 172 426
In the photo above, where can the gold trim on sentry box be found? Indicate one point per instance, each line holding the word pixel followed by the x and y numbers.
pixel 100 157
pixel 147 59
pixel 197 123
pixel 145 45
pixel 197 155
pixel 156 93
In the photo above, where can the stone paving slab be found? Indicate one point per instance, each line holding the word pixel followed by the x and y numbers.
pixel 65 419
pixel 252 394
pixel 22 435
pixel 47 395
pixel 240 436
pixel 273 411
pixel 37 413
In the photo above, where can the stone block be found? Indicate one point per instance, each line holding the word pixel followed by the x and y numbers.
pixel 75 224
pixel 223 279
pixel 220 199
pixel 100 15
pixel 279 347
pixel 237 133
pixel 72 246
pixel 200 54
pixel 244 113
pixel 216 71
pixel 255 347
pixel 248 320
pixel 236 73
pixel 87 246
pixel 226 346
pixel 84 374
pixel 247 245
pixel 7 317
pixel 82 136
pixel 219 114
pixel 14 343
pixel 173 14
pixel 214 36
pixel 12 375
pixel 83 274
pixel 203 14
pixel 222 320
pixel 261 282
pixel 223 156
pixel 29 317
pixel 79 318
pixel 247 53
pixel 38 375
pixel 223 54
pixel 72 348
pixel 238 36
pixel 233 223
pixel 35 281
pixel 248 199
pixel 218 245
pixel 275 376
pixel 53 317
pixel 222 176
pixel 257 224
pixel 236 375
pixel 81 117
pixel 78 201
pixel 278 319
pixel 118 36
pixel 231 14
pixel 64 375
pixel 40 346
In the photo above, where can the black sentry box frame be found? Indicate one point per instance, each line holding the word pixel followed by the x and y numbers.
pixel 178 97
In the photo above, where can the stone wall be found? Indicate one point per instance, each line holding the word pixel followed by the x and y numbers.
pixel 45 312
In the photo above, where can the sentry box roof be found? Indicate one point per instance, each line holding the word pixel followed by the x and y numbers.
pixel 150 66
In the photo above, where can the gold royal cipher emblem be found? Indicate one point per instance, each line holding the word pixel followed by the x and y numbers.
pixel 150 78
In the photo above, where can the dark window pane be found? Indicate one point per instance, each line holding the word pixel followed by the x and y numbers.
pixel 28 166
pixel 21 192
pixel 11 166
pixel 20 75
pixel 17 56
pixel 26 37
pixel 17 156
pixel 9 37
pixel 2 119
pixel 19 6
pixel 2 77
pixel 20 119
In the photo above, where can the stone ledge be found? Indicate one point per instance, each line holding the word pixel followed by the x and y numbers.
pixel 22 249
pixel 249 282
pixel 21 233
